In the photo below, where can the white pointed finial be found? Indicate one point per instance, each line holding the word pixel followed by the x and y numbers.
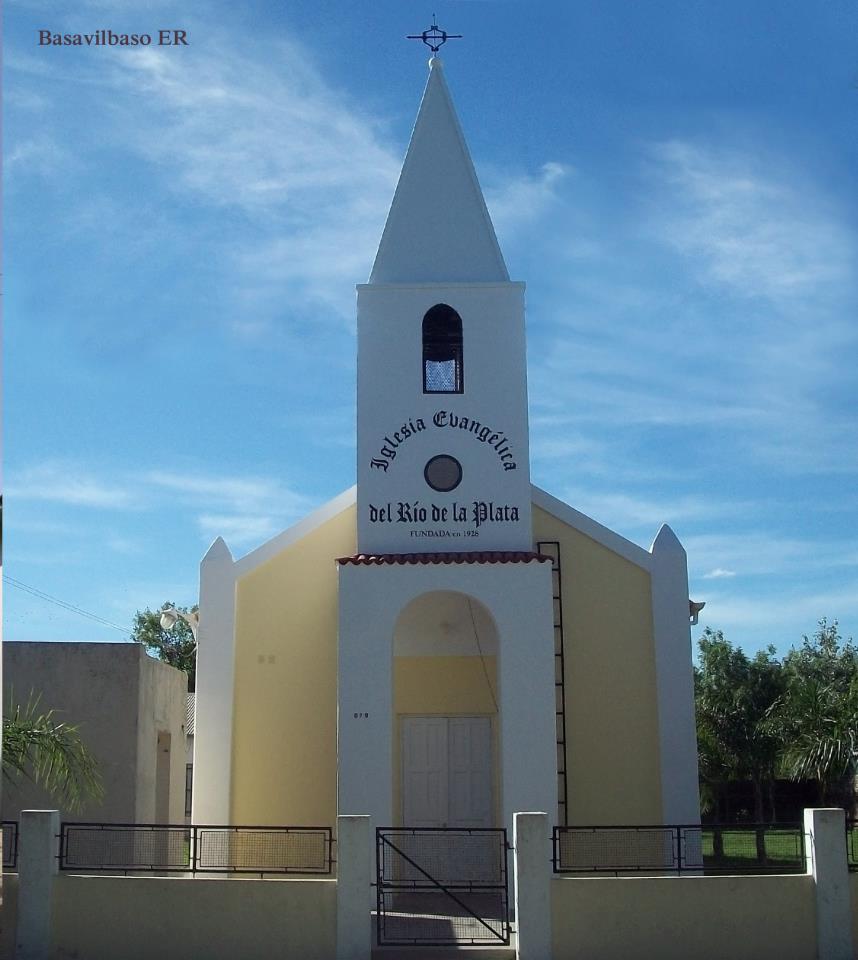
pixel 666 541
pixel 435 62
pixel 218 551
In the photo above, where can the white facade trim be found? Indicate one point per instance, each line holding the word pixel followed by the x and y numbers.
pixel 269 550
pixel 677 733
pixel 215 688
pixel 591 528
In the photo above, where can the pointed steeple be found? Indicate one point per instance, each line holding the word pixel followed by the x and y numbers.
pixel 438 228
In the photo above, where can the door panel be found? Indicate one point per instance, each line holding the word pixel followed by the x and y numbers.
pixel 424 770
pixel 447 772
pixel 470 772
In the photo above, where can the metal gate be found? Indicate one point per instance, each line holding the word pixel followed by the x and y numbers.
pixel 442 886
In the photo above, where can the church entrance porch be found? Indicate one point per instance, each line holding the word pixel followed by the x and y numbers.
pixel 467 642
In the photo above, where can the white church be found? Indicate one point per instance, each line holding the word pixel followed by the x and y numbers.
pixel 444 644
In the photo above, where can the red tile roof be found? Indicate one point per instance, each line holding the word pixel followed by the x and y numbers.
pixel 483 556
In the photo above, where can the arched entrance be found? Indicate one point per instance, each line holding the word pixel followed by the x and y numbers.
pixel 445 713
pixel 400 641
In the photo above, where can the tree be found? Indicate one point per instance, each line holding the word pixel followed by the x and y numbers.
pixel 759 718
pixel 175 646
pixel 819 714
pixel 738 736
pixel 50 753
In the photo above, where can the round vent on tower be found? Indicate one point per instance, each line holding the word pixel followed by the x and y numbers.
pixel 443 473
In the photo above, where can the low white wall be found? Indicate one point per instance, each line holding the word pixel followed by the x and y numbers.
pixel 138 918
pixel 853 884
pixel 8 915
pixel 679 918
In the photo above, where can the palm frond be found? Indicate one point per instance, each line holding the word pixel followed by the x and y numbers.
pixel 51 753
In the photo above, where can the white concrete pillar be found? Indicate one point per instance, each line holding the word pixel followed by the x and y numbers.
pixel 531 842
pixel 215 688
pixel 354 869
pixel 677 733
pixel 825 836
pixel 368 607
pixel 523 610
pixel 37 866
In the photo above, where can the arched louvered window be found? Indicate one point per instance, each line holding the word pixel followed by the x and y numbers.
pixel 442 351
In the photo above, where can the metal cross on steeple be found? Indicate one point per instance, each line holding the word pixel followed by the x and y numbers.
pixel 434 37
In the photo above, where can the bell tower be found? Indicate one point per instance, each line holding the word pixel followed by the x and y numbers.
pixel 442 436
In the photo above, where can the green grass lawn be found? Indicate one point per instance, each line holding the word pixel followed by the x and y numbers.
pixel 781 847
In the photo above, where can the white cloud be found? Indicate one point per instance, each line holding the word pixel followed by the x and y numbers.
pixel 629 511
pixel 238 492
pixel 60 482
pixel 277 143
pixel 304 163
pixel 545 444
pixel 791 614
pixel 238 530
pixel 761 553
pixel 136 6
pixel 39 155
pixel 243 510
pixel 301 173
pixel 723 304
pixel 748 227
pixel 124 546
pixel 519 200
pixel 719 573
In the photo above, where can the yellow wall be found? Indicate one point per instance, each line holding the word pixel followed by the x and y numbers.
pixel 441 686
pixel 444 685
pixel 611 709
pixel 284 735
pixel 284 751
pixel 679 918
pixel 136 918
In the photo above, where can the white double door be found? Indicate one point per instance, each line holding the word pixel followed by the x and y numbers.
pixel 447 776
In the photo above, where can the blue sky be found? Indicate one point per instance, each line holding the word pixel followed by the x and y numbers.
pixel 676 182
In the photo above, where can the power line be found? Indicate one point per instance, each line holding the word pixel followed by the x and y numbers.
pixel 62 603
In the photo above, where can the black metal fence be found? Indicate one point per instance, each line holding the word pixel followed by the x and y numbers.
pixel 708 849
pixel 852 844
pixel 442 886
pixel 189 848
pixel 263 849
pixel 10 845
